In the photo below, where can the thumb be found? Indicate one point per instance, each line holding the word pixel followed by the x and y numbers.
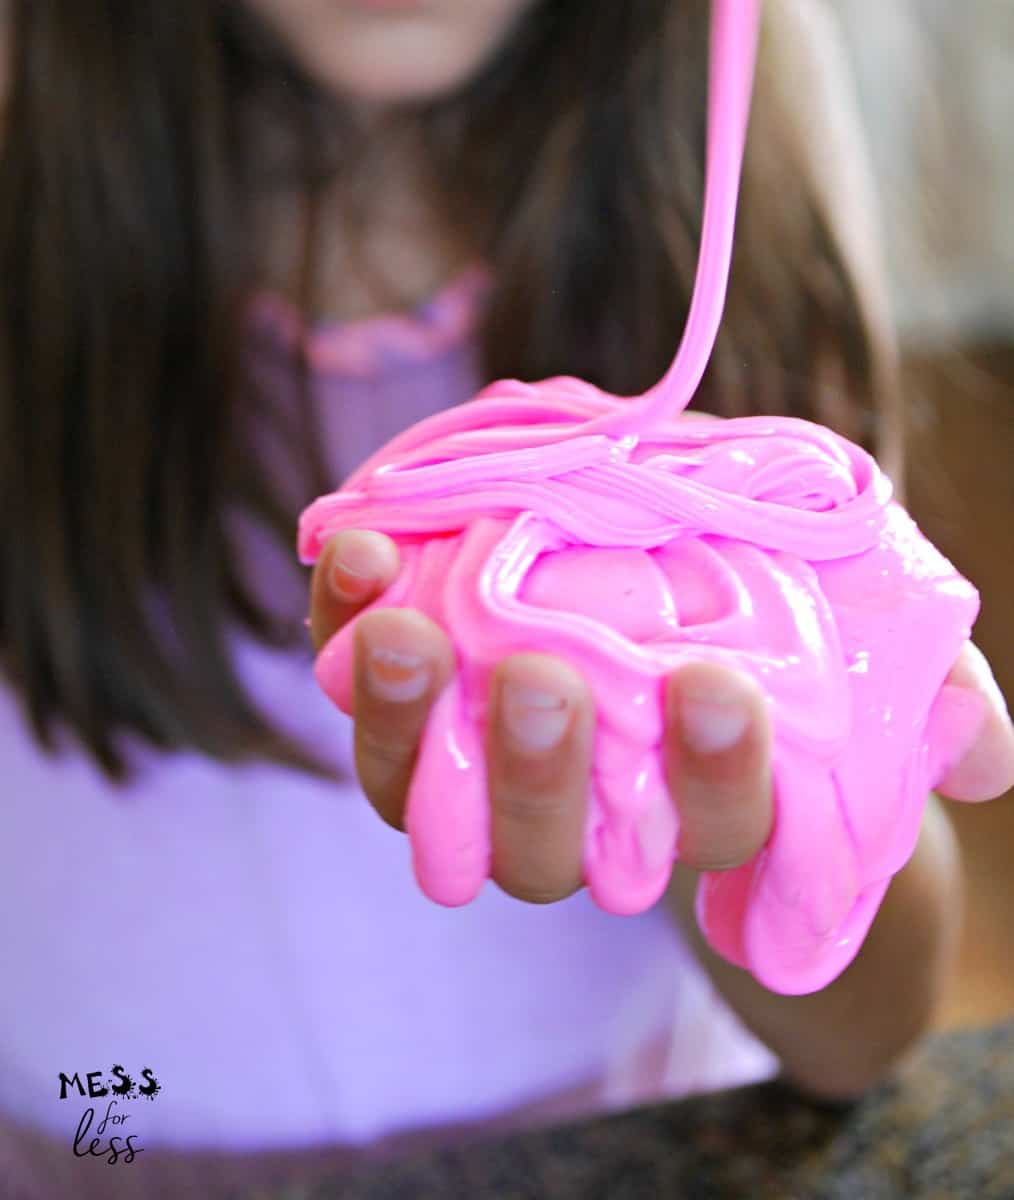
pixel 985 770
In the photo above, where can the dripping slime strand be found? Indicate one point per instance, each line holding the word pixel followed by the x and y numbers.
pixel 735 26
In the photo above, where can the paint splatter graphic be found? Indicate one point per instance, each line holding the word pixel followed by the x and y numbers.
pixel 126 1087
pixel 152 1087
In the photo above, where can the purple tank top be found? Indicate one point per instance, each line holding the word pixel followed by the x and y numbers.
pixel 256 939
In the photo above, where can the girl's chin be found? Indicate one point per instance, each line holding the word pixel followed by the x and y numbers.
pixel 386 84
pixel 393 51
pixel 386 6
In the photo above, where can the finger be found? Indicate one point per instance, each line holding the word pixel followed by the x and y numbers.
pixel 402 662
pixel 986 769
pixel 353 568
pixel 539 749
pixel 717 760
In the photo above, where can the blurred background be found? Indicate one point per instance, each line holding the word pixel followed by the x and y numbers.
pixel 936 85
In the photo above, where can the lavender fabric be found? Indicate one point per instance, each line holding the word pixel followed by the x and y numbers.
pixel 256 938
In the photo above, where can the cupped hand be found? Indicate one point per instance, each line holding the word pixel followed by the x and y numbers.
pixel 541 727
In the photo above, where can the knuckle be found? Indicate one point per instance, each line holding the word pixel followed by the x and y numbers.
pixel 382 748
pixel 532 892
pixel 530 805
pixel 715 862
pixel 714 850
pixel 390 811
pixel 384 767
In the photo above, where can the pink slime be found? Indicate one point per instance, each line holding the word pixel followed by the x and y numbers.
pixel 556 518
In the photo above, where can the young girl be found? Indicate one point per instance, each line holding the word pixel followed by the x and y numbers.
pixel 243 243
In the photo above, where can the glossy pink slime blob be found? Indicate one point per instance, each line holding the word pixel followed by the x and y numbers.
pixel 553 517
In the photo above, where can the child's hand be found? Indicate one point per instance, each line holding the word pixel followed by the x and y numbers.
pixel 541 729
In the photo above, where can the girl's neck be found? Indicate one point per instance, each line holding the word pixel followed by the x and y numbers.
pixel 354 252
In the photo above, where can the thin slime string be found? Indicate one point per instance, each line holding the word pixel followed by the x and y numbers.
pixel 735 27
pixel 517 452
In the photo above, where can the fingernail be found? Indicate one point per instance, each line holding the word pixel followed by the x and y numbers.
pixel 535 720
pixel 348 583
pixel 395 676
pixel 354 570
pixel 711 724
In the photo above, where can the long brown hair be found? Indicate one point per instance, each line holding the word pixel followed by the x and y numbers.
pixel 575 162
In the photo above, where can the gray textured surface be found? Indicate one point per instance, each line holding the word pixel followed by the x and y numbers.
pixel 942 1127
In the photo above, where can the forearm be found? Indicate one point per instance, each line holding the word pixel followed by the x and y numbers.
pixel 838 1041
